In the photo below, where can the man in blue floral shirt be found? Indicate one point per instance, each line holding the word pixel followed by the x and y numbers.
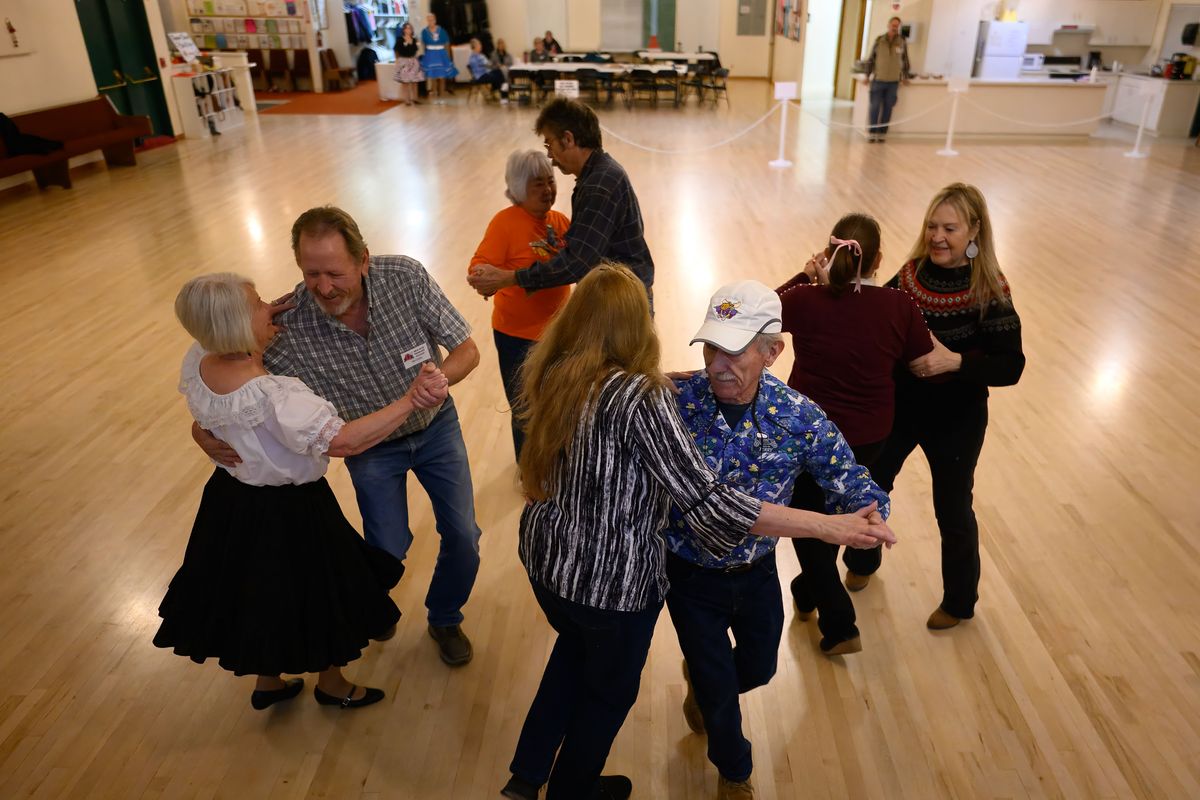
pixel 758 435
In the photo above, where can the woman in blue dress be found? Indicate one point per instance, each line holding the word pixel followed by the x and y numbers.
pixel 436 62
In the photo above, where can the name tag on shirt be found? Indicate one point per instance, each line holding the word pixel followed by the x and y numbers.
pixel 415 357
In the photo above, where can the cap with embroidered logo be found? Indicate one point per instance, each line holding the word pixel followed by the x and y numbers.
pixel 738 312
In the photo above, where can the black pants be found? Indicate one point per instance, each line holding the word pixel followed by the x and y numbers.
pixel 590 683
pixel 495 79
pixel 819 585
pixel 706 605
pixel 512 351
pixel 951 438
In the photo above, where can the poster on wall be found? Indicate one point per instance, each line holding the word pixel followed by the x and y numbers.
pixel 16 31
pixel 787 18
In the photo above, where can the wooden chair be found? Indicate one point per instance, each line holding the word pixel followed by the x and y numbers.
pixel 278 67
pixel 302 69
pixel 258 70
pixel 333 74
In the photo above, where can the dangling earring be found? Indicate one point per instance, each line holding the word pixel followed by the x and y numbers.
pixel 972 249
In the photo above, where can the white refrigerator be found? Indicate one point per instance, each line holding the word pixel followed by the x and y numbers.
pixel 999 49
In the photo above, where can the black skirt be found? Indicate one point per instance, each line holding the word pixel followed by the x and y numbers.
pixel 276 580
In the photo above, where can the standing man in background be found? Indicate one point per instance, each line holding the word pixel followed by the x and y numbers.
pixel 887 66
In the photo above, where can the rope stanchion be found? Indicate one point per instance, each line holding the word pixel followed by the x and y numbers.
pixel 948 150
pixel 1136 152
pixel 780 162
pixel 685 151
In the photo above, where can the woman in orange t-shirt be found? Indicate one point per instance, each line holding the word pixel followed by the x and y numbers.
pixel 525 232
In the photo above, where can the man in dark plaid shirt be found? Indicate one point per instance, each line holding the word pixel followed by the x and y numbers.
pixel 606 221
pixel 357 332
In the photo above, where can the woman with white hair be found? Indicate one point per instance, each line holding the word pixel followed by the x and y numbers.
pixel 274 580
pixel 525 232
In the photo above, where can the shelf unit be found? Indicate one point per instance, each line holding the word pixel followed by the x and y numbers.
pixel 208 102
pixel 256 25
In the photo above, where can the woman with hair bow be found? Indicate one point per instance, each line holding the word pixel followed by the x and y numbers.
pixel 848 336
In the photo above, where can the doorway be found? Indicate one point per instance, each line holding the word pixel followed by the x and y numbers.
pixel 821 49
pixel 124 65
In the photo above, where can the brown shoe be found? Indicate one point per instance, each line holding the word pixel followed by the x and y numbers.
pixel 940 620
pixel 691 709
pixel 856 582
pixel 844 648
pixel 729 790
pixel 454 645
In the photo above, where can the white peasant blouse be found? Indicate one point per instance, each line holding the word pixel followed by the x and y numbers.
pixel 278 426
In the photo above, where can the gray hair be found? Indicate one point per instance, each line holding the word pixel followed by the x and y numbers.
pixel 214 310
pixel 522 167
pixel 765 341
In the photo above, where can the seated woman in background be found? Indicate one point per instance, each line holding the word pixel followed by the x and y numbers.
pixel 605 456
pixel 274 580
pixel 525 232
pixel 848 337
pixel 482 71
pixel 500 58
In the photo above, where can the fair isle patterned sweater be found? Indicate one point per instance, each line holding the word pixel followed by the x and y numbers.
pixel 990 346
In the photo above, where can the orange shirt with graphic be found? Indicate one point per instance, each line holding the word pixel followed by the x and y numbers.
pixel 514 240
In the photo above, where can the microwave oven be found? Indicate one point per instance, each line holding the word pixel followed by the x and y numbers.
pixel 1032 62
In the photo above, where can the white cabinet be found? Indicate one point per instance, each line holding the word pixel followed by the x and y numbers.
pixel 1123 22
pixel 208 102
pixel 1172 103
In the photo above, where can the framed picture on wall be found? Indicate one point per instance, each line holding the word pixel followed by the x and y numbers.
pixel 16 30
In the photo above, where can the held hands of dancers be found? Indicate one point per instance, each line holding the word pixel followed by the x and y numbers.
pixel 487 280
pixel 864 529
pixel 430 388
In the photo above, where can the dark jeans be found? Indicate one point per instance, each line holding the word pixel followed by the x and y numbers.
pixel 705 604
pixel 590 683
pixel 512 352
pixel 951 440
pixel 818 585
pixel 494 78
pixel 879 111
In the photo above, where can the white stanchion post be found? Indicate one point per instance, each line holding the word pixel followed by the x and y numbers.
pixel 956 86
pixel 784 92
pixel 1136 152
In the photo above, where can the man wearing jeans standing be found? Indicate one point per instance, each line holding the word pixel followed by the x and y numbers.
pixel 887 66
pixel 360 329
pixel 757 435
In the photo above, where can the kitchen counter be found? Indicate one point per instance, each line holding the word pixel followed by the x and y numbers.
pixel 1054 105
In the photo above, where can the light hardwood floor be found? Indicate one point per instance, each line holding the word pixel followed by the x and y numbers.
pixel 1079 678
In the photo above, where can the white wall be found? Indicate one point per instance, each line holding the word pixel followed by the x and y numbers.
pixel 58 71
pixel 820 48
pixel 697 24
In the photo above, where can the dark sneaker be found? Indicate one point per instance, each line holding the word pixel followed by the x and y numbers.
pixel 518 789
pixel 612 787
pixel 454 645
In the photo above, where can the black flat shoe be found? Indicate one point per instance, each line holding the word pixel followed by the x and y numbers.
pixel 371 696
pixel 261 699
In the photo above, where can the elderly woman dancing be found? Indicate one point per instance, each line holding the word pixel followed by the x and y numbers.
pixel 274 580
pixel 606 454
pixel 525 232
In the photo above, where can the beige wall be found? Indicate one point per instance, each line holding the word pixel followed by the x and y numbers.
pixel 58 71
pixel 744 56
pixel 583 25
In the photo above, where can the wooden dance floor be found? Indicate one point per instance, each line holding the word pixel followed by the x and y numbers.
pixel 1079 677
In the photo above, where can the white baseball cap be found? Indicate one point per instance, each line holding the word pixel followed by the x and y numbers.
pixel 738 312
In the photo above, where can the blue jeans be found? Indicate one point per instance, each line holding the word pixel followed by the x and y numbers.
pixel 879 111
pixel 512 352
pixel 438 457
pixel 590 683
pixel 705 604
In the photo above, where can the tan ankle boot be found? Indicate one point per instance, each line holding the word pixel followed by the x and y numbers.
pixel 728 790
pixel 941 619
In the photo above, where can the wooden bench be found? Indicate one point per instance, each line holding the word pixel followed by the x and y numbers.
pixel 82 128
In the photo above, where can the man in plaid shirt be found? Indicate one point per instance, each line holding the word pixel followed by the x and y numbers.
pixel 606 220
pixel 358 331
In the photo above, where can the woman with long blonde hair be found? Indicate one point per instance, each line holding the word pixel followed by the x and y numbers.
pixel 954 277
pixel 605 456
